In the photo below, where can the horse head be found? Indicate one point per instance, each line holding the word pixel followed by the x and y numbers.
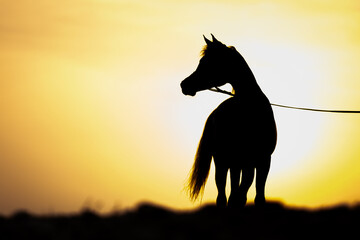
pixel 216 68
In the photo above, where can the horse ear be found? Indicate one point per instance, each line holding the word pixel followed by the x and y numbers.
pixel 214 39
pixel 208 42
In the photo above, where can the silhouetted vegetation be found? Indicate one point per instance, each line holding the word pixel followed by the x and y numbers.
pixel 148 221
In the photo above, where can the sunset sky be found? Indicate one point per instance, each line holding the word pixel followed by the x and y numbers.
pixel 92 114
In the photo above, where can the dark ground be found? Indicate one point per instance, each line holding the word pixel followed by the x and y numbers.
pixel 208 222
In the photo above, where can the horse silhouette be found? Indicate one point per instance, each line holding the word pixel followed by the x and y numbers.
pixel 240 134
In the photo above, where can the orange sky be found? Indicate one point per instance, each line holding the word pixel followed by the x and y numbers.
pixel 91 112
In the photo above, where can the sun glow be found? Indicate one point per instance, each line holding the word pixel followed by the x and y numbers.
pixel 91 106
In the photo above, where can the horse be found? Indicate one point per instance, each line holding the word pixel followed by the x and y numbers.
pixel 240 134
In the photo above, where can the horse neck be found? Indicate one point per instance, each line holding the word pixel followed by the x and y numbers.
pixel 243 80
pixel 244 84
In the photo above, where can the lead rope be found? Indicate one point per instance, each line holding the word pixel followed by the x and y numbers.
pixel 216 89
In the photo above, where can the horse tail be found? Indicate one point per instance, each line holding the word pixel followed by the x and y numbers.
pixel 201 167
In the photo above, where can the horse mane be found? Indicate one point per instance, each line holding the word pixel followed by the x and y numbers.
pixel 203 51
pixel 207 49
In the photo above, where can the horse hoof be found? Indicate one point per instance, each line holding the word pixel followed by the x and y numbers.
pixel 260 201
pixel 242 202
pixel 237 202
pixel 233 200
pixel 221 201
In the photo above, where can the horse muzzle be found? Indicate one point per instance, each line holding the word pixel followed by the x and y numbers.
pixel 186 90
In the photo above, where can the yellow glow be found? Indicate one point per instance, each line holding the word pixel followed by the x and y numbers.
pixel 91 108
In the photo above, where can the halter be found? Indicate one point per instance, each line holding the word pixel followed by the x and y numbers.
pixel 216 89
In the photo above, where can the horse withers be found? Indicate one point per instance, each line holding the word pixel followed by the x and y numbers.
pixel 240 134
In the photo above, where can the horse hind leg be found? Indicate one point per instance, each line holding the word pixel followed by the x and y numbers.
pixel 261 175
pixel 220 180
pixel 247 177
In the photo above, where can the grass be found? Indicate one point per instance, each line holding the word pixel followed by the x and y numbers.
pixel 149 221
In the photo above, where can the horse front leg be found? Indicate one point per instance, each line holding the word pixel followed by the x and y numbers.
pixel 235 179
pixel 220 180
pixel 262 171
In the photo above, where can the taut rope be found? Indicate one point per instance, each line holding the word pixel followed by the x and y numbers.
pixel 216 89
